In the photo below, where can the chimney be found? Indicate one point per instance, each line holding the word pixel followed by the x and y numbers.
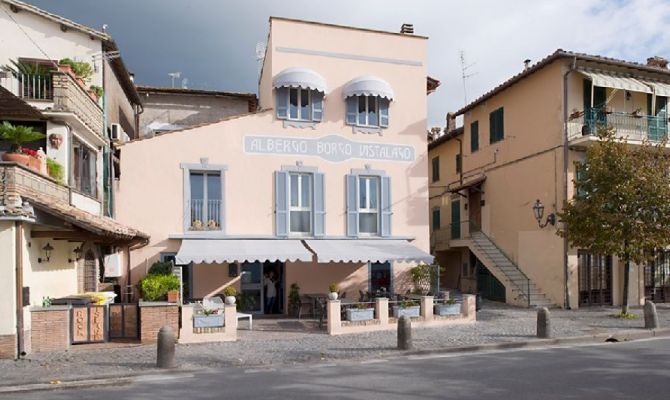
pixel 407 29
pixel 451 122
pixel 526 64
pixel 657 62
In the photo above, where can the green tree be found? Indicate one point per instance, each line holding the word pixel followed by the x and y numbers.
pixel 622 206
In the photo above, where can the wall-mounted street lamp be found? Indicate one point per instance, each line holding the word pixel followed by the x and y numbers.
pixel 538 211
pixel 47 249
pixel 77 254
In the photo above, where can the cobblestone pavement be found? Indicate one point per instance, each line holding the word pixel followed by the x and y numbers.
pixel 496 323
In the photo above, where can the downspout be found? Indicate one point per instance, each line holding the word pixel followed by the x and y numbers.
pixel 139 109
pixel 566 274
pixel 20 347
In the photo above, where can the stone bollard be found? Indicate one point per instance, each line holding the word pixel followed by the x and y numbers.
pixel 543 323
pixel 404 333
pixel 165 348
pixel 650 315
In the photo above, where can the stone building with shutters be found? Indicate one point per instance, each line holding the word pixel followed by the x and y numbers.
pixel 325 183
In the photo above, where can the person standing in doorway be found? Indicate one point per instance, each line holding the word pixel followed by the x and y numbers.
pixel 270 292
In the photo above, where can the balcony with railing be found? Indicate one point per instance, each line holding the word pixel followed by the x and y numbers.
pixel 634 127
pixel 205 215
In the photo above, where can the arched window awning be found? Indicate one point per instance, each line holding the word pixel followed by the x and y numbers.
pixel 300 78
pixel 368 85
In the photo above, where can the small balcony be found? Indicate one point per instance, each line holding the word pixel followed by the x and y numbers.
pixel 634 127
pixel 205 215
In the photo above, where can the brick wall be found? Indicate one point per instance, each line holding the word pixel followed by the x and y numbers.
pixel 153 317
pixel 7 346
pixel 50 330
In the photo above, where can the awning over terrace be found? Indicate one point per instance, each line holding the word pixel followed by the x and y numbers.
pixel 241 250
pixel 660 88
pixel 604 79
pixel 364 250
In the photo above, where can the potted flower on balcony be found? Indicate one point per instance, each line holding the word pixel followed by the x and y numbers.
pixel 408 308
pixel 230 292
pixel 332 291
pixel 95 92
pixel 208 319
pixel 18 135
pixel 361 312
pixel 82 70
pixel 447 307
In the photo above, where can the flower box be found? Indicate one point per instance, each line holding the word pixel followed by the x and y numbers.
pixel 412 311
pixel 360 314
pixel 208 321
pixel 447 309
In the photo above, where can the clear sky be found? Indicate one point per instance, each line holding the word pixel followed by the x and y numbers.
pixel 213 42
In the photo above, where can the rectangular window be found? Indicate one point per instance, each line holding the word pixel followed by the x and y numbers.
pixel 84 168
pixel 497 125
pixel 474 136
pixel 299 104
pixel 459 163
pixel 436 168
pixel 436 218
pixel 381 278
pixel 300 203
pixel 206 193
pixel 368 204
pixel 370 111
pixel 579 176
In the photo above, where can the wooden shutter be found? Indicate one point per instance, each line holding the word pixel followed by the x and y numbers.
pixel 386 206
pixel 352 205
pixel 436 168
pixel 383 113
pixel 319 205
pixel 436 219
pixel 352 109
pixel 281 203
pixel 474 136
pixel 282 103
pixel 587 95
pixel 317 106
pixel 497 125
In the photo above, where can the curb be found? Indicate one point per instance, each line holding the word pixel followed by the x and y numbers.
pixel 624 336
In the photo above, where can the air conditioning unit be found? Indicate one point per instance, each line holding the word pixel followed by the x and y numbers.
pixel 117 134
pixel 113 265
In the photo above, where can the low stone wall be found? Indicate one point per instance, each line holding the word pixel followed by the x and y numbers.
pixel 227 333
pixel 155 315
pixel 382 321
pixel 50 328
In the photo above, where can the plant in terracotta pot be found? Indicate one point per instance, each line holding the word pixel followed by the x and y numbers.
pixel 18 135
pixel 96 92
pixel 332 291
pixel 230 292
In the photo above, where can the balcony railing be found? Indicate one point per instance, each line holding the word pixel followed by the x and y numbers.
pixel 205 214
pixel 34 87
pixel 629 126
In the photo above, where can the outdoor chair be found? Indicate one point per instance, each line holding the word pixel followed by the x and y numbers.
pixel 305 302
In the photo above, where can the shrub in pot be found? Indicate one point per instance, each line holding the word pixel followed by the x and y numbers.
pixel 230 292
pixel 18 135
pixel 332 291
pixel 154 287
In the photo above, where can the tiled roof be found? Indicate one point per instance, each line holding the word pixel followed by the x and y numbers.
pixel 166 90
pixel 442 139
pixel 431 84
pixel 560 54
pixel 12 107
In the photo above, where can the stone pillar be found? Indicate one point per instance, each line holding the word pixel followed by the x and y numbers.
pixel 404 333
pixel 166 348
pixel 469 307
pixel 333 309
pixel 543 323
pixel 382 310
pixel 230 318
pixel 427 308
pixel 650 315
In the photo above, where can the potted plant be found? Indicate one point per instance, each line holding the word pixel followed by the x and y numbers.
pixel 361 312
pixel 173 296
pixel 82 70
pixel 447 307
pixel 208 319
pixel 18 135
pixel 97 91
pixel 408 308
pixel 332 291
pixel 155 287
pixel 294 299
pixel 637 113
pixel 230 292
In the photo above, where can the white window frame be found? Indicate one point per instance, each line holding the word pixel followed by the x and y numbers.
pixel 300 206
pixel 299 97
pixel 367 112
pixel 367 209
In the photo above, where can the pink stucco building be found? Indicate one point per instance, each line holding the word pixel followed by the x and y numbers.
pixel 325 183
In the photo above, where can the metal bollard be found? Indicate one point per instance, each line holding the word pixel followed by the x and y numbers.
pixel 165 348
pixel 404 333
pixel 543 323
pixel 650 315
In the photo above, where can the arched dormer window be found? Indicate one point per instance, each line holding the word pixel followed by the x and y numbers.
pixel 300 94
pixel 368 99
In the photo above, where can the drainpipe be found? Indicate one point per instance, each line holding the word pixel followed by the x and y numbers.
pixel 20 347
pixel 460 153
pixel 566 273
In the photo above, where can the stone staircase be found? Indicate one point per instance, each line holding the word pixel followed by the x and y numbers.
pixel 525 291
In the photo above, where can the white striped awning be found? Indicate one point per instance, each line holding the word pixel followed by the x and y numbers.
pixel 367 250
pixel 604 79
pixel 219 251
pixel 300 78
pixel 660 88
pixel 368 85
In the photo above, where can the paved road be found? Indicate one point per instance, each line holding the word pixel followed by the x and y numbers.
pixel 635 370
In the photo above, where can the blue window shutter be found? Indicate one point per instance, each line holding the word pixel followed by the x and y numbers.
pixel 352 205
pixel 352 108
pixel 383 113
pixel 317 106
pixel 386 206
pixel 319 204
pixel 281 203
pixel 282 103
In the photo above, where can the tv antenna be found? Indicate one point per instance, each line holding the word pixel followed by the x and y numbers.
pixel 465 74
pixel 174 75
pixel 260 55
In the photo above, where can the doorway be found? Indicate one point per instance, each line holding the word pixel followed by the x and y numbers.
pixel 657 278
pixel 259 282
pixel 595 279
